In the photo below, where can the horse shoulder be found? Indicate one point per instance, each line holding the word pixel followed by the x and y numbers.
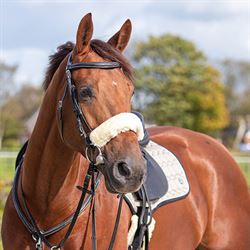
pixel 11 229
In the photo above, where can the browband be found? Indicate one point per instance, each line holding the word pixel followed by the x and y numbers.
pixel 91 65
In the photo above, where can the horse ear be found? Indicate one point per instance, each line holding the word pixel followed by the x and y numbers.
pixel 84 34
pixel 121 38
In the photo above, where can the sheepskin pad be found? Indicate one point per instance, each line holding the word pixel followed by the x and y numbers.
pixel 115 125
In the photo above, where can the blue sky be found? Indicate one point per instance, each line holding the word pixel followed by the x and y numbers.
pixel 32 29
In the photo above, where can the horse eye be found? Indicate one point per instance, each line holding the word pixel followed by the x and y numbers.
pixel 86 94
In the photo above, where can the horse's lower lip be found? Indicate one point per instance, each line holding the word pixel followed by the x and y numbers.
pixel 109 186
pixel 110 189
pixel 123 189
pixel 108 182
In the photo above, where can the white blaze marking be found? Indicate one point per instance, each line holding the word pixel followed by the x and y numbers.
pixel 114 83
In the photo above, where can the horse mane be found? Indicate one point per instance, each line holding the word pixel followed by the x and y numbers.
pixel 103 49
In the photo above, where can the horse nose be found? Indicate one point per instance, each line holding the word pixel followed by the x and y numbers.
pixel 127 174
pixel 122 170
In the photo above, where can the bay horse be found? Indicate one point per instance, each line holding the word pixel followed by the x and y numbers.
pixel 216 213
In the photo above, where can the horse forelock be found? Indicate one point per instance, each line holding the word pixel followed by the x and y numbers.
pixel 103 49
pixel 55 60
pixel 108 52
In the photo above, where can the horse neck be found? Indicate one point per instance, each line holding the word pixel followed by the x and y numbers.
pixel 51 170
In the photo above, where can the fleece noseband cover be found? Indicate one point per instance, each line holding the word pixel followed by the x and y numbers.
pixel 115 125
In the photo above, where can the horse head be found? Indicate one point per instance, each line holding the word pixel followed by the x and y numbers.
pixel 99 84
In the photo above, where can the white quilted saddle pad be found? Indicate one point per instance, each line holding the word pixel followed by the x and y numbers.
pixel 178 186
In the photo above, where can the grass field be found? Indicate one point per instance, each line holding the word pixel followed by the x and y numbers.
pixel 245 167
pixel 7 166
pixel 6 176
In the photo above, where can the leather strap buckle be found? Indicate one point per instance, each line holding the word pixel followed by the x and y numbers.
pixel 98 160
pixel 39 245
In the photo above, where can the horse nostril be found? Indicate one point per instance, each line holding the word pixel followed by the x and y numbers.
pixel 123 169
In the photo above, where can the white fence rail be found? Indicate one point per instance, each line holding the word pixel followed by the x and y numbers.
pixel 239 159
pixel 8 154
pixel 242 159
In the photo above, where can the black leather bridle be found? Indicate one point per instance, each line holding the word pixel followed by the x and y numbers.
pixel 82 123
pixel 26 217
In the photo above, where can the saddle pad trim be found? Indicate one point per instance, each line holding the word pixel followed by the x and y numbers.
pixel 170 201
pixel 173 167
pixel 178 198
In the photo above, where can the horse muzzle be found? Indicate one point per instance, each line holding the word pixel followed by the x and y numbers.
pixel 127 176
pixel 127 169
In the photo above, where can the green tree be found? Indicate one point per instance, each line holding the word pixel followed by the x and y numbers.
pixel 177 86
pixel 7 88
pixel 15 105
pixel 237 81
pixel 17 109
